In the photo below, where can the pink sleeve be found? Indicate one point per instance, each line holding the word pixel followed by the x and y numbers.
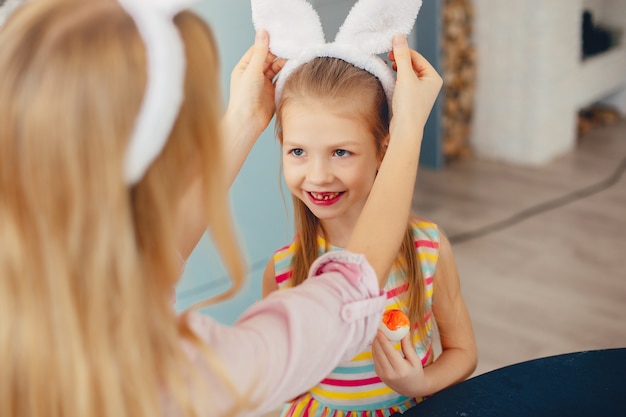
pixel 287 343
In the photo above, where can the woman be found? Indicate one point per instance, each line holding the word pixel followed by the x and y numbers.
pixel 111 163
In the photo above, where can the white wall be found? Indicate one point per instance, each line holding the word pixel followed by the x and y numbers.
pixel 260 213
pixel 531 81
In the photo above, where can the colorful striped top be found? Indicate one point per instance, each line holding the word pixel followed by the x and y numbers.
pixel 353 388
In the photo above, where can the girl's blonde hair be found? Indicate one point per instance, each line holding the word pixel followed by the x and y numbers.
pixel 353 91
pixel 87 265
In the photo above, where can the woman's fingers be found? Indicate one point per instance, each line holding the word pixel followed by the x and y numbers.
pixel 260 51
pixel 422 67
pixel 418 85
pixel 245 59
pixel 258 58
pixel 402 55
pixel 274 68
pixel 258 55
pixel 418 63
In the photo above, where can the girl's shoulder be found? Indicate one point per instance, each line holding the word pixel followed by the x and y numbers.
pixel 282 256
pixel 285 249
pixel 424 230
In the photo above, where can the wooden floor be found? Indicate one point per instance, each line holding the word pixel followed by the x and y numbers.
pixel 541 251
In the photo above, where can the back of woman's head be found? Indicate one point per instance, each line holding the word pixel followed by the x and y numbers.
pixel 87 263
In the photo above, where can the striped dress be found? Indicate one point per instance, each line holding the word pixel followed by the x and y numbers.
pixel 353 388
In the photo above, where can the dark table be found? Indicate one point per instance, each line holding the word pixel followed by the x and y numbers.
pixel 590 384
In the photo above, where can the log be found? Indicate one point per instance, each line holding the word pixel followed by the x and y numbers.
pixel 459 75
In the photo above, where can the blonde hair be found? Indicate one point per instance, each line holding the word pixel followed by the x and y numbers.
pixel 87 265
pixel 348 89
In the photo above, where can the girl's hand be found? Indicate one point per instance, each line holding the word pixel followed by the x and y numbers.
pixel 405 375
pixel 417 86
pixel 251 100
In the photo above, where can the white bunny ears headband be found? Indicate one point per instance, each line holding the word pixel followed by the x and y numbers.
pixel 296 34
pixel 163 97
pixel 165 53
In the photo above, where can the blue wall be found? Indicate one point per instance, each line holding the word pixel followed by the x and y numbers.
pixel 426 40
pixel 262 210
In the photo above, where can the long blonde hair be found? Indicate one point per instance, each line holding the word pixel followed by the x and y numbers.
pixel 349 89
pixel 87 264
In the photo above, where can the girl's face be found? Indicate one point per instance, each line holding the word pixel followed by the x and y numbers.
pixel 329 160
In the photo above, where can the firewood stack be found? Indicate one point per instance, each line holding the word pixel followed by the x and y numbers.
pixel 459 75
pixel 597 115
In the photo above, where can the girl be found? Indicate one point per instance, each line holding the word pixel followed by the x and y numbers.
pixel 111 160
pixel 333 126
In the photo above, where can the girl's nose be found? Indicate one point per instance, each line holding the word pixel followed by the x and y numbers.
pixel 319 173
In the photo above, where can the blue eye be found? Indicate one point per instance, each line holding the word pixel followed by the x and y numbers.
pixel 342 153
pixel 297 152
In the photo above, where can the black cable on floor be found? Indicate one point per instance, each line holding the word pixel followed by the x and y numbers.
pixel 542 208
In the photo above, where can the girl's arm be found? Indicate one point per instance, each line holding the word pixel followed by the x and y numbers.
pixel 269 279
pixel 382 223
pixel 459 357
pixel 405 374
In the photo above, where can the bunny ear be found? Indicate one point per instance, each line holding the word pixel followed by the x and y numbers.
pixel 292 25
pixel 372 24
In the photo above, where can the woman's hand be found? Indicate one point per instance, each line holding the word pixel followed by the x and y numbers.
pixel 251 103
pixel 251 88
pixel 405 375
pixel 417 86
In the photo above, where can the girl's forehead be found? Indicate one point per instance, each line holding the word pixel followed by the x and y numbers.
pixel 324 127
pixel 322 108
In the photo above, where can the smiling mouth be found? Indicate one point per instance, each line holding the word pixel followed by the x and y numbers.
pixel 324 196
pixel 324 199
